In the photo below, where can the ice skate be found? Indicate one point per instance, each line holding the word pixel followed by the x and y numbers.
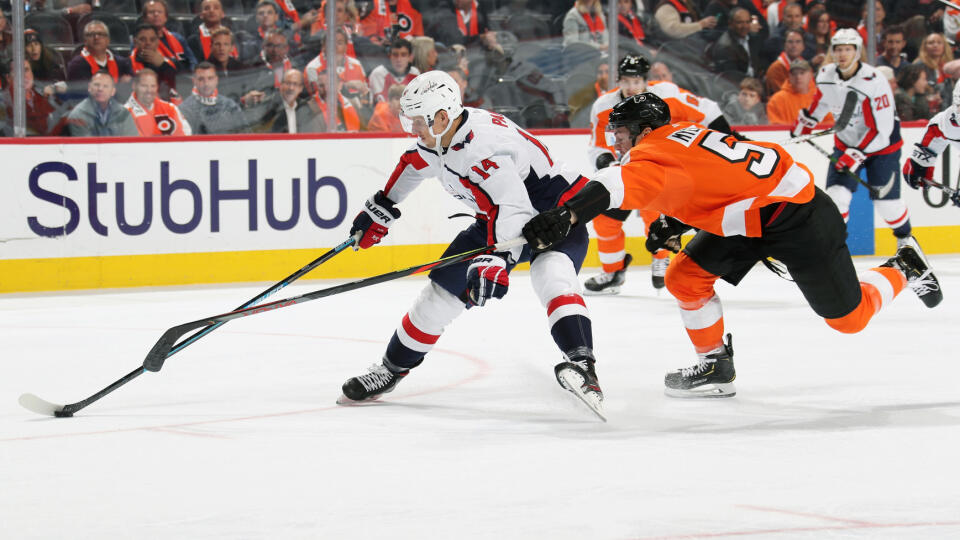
pixel 377 381
pixel 608 282
pixel 711 377
pixel 658 269
pixel 920 277
pixel 578 376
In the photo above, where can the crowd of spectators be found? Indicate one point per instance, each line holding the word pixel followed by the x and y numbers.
pixel 158 67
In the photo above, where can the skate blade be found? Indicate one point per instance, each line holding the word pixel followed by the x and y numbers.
pixel 723 390
pixel 571 382
pixel 602 292
pixel 347 402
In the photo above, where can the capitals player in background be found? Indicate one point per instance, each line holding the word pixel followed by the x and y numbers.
pixel 870 140
pixel 750 200
pixel 505 176
pixel 942 129
pixel 685 106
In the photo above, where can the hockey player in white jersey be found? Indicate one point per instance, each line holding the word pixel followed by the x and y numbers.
pixel 505 176
pixel 870 140
pixel 684 106
pixel 942 130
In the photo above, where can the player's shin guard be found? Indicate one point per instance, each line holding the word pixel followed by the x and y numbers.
pixel 841 197
pixel 422 326
pixel 611 242
pixel 896 215
pixel 700 307
pixel 878 287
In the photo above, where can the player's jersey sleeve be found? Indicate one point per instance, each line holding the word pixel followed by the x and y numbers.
pixel 599 117
pixel 632 185
pixel 406 176
pixel 823 101
pixel 501 196
pixel 942 130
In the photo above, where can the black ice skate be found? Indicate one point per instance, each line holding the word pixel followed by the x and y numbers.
pixel 379 380
pixel 712 376
pixel 920 278
pixel 608 283
pixel 658 269
pixel 578 376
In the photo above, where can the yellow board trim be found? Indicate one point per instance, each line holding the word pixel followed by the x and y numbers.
pixel 73 273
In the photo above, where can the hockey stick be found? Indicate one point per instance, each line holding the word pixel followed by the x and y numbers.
pixel 878 192
pixel 158 353
pixel 40 406
pixel 946 189
pixel 849 104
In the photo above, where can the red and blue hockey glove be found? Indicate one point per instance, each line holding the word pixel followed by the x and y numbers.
pixel 805 124
pixel 487 278
pixel 372 224
pixel 851 160
pixel 665 234
pixel 919 167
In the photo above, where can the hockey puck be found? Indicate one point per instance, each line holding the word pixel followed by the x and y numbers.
pixel 62 414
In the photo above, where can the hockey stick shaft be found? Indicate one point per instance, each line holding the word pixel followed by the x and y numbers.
pixel 161 349
pixel 71 408
pixel 849 104
pixel 878 192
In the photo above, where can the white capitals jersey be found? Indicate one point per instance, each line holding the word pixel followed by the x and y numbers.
pixel 684 107
pixel 502 173
pixel 942 129
pixel 874 127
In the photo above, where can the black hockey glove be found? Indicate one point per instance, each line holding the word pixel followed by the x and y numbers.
pixel 665 234
pixel 920 166
pixel 548 228
pixel 604 160
pixel 955 198
pixel 373 222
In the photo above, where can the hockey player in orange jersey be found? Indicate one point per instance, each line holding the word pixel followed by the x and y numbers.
pixel 751 201
pixel 632 80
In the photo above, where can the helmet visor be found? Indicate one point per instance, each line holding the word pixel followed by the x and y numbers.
pixel 414 125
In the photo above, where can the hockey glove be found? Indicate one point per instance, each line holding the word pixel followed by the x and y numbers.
pixel 919 167
pixel 851 160
pixel 805 124
pixel 547 228
pixel 487 278
pixel 604 160
pixel 372 224
pixel 955 198
pixel 665 234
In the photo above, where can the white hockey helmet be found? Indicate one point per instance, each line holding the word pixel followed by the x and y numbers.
pixel 847 36
pixel 427 94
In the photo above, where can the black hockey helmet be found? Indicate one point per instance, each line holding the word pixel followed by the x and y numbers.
pixel 633 65
pixel 644 110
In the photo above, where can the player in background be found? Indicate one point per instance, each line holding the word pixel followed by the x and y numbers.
pixel 751 201
pixel 871 139
pixel 505 176
pixel 942 129
pixel 632 80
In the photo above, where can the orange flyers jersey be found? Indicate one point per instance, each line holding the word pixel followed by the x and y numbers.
pixel 684 107
pixel 706 179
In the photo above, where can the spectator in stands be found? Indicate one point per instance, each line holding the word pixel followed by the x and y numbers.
pixel 679 18
pixel 6 40
pixel 892 54
pixel 289 110
pixel 152 115
pixel 222 47
pixel 94 56
pixel 930 11
pixel 797 93
pixel 386 117
pixel 211 20
pixel 737 49
pixel 779 70
pixel 100 115
pixel 820 27
pixel 460 77
pixel 349 70
pixel 583 98
pixel 890 76
pixel 405 21
pixel 205 109
pixel 70 12
pixel 267 15
pixel 39 108
pixel 347 117
pixel 721 9
pixel 951 25
pixel 585 23
pixel 628 24
pixel 914 98
pixel 424 53
pixel 268 68
pixel 399 70
pixel 792 20
pixel 45 63
pixel 146 54
pixel 372 23
pixel 464 22
pixel 933 54
pixel 746 107
pixel 660 72
pixel 879 15
pixel 172 46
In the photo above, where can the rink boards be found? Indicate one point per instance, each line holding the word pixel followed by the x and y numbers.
pixel 131 212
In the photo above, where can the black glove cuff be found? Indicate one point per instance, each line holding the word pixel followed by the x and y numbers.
pixel 382 200
pixel 590 202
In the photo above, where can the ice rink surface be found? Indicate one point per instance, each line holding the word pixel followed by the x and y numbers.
pixel 239 436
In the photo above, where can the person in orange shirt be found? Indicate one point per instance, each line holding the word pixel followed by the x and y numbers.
pixel 795 94
pixel 153 115
pixel 779 70
pixel 751 201
pixel 386 114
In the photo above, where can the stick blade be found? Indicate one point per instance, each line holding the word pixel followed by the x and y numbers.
pixel 37 405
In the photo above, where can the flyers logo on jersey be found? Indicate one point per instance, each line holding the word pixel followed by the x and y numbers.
pixel 165 124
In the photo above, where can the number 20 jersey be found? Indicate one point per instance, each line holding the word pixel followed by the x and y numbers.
pixel 501 172
pixel 707 179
